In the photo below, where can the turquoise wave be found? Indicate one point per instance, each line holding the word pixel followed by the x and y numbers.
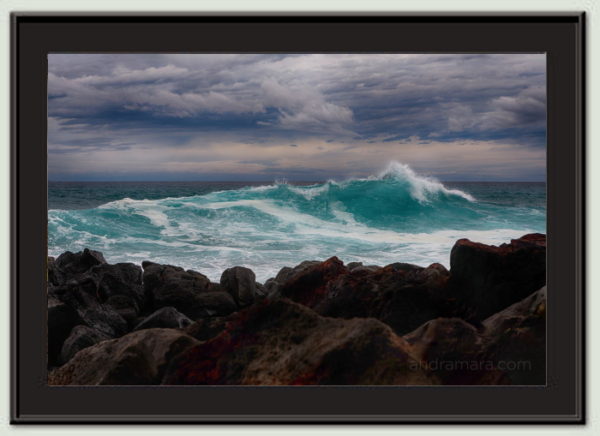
pixel 394 216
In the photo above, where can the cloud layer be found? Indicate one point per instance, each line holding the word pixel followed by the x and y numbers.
pixel 303 117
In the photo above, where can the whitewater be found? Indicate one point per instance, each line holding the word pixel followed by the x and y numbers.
pixel 395 216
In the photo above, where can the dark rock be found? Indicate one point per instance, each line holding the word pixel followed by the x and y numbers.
pixel 486 279
pixel 61 320
pixel 403 298
pixel 166 317
pixel 286 272
pixel 516 340
pixel 120 286
pixel 282 343
pixel 272 286
pixel 240 283
pixel 82 297
pixel 120 279
pixel 215 287
pixel 400 266
pixel 353 265
pixel 366 268
pixel 307 283
pixel 125 306
pixel 195 304
pixel 509 348
pixel 450 349
pixel 73 264
pixel 261 290
pixel 526 313
pixel 55 276
pixel 213 304
pixel 167 285
pixel 207 328
pixel 138 358
pixel 81 337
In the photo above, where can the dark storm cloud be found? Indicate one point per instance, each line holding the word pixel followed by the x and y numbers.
pixel 125 102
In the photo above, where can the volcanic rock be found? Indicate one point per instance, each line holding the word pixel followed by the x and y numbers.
pixel 486 279
pixel 119 279
pixel 283 343
pixel 403 298
pixel 72 265
pixel 138 358
pixel 167 285
pixel 450 349
pixel 81 337
pixel 207 328
pixel 82 297
pixel 516 340
pixel 240 282
pixel 166 317
pixel 61 320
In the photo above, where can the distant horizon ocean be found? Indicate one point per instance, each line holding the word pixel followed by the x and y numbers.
pixel 396 216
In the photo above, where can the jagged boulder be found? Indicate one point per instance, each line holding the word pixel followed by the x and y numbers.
pixel 70 265
pixel 82 297
pixel 124 279
pixel 167 285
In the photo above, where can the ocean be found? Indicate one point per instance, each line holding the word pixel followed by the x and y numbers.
pixel 395 216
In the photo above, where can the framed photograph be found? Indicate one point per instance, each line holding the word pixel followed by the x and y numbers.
pixel 297 219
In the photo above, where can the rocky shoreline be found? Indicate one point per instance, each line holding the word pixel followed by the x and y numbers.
pixel 481 322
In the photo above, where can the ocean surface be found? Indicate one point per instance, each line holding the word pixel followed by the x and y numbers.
pixel 396 216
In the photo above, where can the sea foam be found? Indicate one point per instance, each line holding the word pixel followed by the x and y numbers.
pixel 394 216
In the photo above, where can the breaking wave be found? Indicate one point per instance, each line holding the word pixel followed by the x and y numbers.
pixel 397 215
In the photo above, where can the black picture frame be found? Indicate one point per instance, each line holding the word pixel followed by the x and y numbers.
pixel 561 36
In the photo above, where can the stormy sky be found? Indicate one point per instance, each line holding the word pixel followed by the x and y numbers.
pixel 261 117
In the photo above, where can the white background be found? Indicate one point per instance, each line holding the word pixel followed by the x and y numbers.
pixel 592 8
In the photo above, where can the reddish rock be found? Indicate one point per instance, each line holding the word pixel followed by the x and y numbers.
pixel 309 285
pixel 283 343
pixel 402 297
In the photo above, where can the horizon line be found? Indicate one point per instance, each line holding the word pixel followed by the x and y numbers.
pixel 273 181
